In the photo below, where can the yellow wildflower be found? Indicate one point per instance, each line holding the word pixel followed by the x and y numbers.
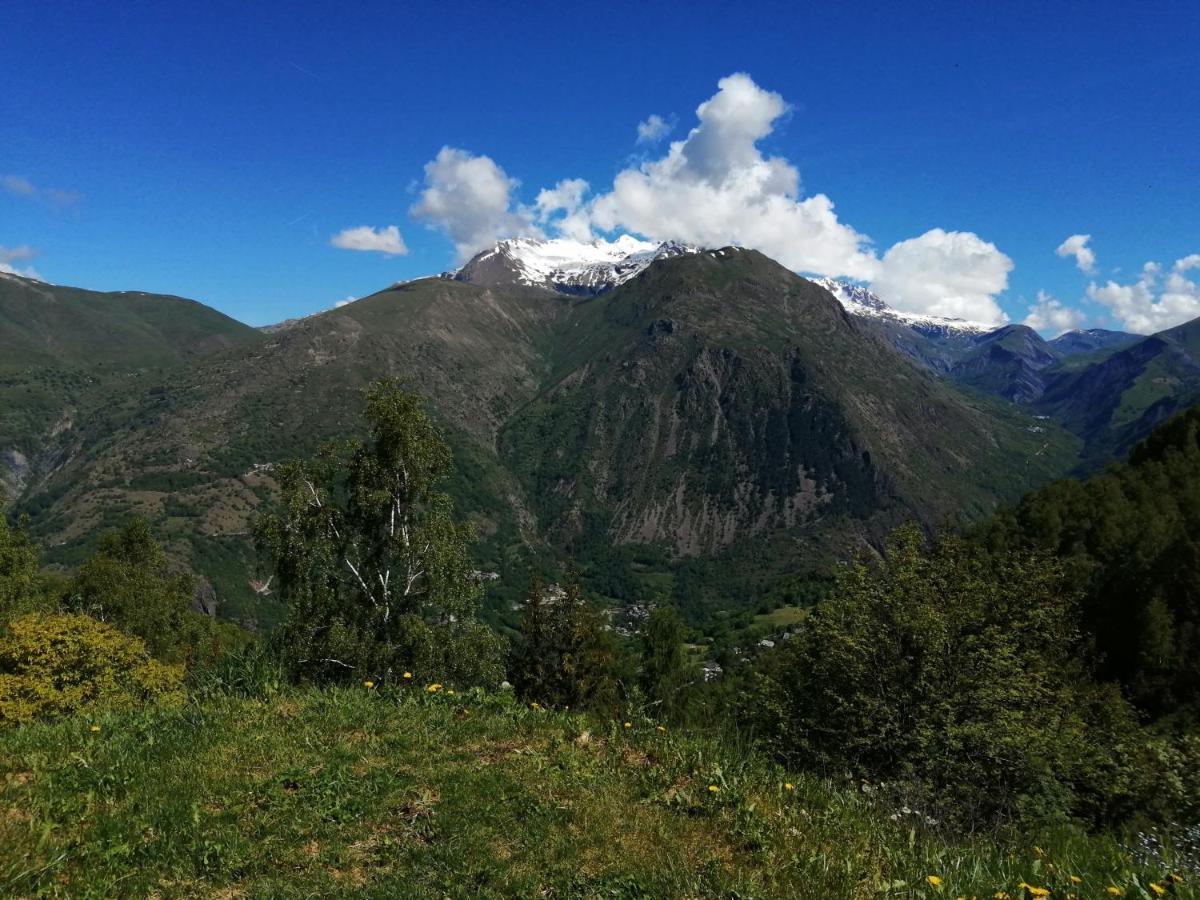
pixel 1157 888
pixel 934 880
pixel 433 688
pixel 450 692
pixel 368 684
pixel 535 706
pixel 1113 890
pixel 94 728
pixel 1075 879
pixel 1036 891
pixel 659 728
pixel 628 724
pixel 408 676
pixel 713 789
pixel 788 786
pixel 1178 879
pixel 1001 895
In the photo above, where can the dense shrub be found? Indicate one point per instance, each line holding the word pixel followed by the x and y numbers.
pixel 564 656
pixel 129 583
pixel 962 676
pixel 58 664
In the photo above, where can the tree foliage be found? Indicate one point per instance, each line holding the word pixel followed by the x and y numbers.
pixel 664 676
pixel 127 582
pixel 21 586
pixel 1129 540
pixel 960 675
pixel 565 656
pixel 371 561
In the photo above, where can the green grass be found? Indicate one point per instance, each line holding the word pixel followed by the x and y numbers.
pixel 403 794
pixel 783 617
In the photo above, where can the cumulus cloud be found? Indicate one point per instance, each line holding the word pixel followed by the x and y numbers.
pixel 716 187
pixel 562 207
pixel 1156 300
pixel 385 240
pixel 1049 314
pixel 1077 246
pixel 23 253
pixel 653 129
pixel 469 199
pixel 945 273
pixel 20 186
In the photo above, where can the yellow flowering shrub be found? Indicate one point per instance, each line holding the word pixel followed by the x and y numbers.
pixel 53 665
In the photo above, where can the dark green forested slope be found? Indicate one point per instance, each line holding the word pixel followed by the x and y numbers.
pixel 1131 539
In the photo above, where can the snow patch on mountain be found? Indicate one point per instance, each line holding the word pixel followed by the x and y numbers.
pixel 572 267
pixel 859 301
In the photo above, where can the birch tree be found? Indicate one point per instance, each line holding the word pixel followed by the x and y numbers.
pixel 372 562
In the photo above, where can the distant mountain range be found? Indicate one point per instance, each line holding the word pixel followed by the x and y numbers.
pixel 683 404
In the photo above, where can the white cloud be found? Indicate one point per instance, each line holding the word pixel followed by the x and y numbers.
pixel 469 198
pixel 15 184
pixel 1077 246
pixel 716 188
pixel 945 273
pixel 653 129
pixel 20 186
pixel 1153 303
pixel 367 239
pixel 566 197
pixel 1049 314
pixel 22 253
pixel 345 302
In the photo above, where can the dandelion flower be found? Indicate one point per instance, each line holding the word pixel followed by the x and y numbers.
pixel 713 789
pixel 628 724
pixel 94 728
pixel 368 684
pixel 433 688
pixel 788 786
pixel 1157 888
pixel 934 880
pixel 1075 879
pixel 1113 890
pixel 408 676
pixel 1178 879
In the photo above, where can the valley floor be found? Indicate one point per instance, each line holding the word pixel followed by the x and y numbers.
pixel 366 793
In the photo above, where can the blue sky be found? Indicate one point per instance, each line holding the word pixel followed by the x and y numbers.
pixel 213 150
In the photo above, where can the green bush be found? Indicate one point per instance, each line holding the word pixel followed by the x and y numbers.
pixel 129 583
pixel 960 676
pixel 53 665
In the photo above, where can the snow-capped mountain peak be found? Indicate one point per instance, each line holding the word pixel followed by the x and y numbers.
pixel 859 301
pixel 567 266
